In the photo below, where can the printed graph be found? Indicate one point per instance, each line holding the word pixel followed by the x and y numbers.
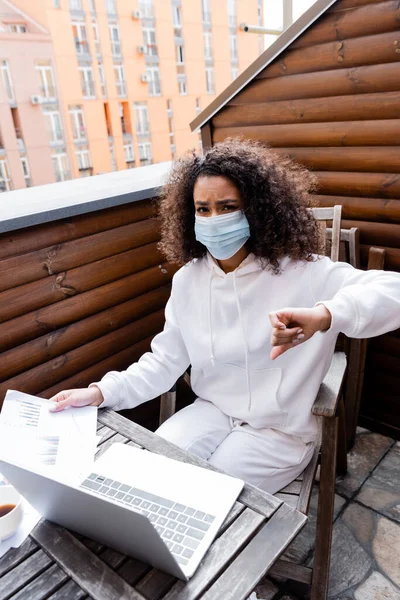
pixel 48 449
pixel 29 413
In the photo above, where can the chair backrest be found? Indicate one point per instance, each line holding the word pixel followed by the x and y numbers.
pixel 326 214
pixel 349 246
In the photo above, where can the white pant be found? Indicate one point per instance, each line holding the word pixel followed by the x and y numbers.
pixel 267 458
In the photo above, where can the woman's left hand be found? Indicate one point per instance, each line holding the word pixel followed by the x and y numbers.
pixel 293 326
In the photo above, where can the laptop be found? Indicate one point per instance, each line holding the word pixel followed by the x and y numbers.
pixel 164 512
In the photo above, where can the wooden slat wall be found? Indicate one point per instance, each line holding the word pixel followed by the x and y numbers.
pixel 332 102
pixel 80 297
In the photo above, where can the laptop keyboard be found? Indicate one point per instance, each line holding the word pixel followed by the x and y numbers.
pixel 181 527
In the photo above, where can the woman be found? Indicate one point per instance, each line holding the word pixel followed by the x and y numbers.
pixel 237 220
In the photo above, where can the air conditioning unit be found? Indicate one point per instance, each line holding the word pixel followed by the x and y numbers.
pixel 145 77
pixel 36 99
pixel 136 14
pixel 142 49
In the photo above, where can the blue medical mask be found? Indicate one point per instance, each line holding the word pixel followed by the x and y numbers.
pixel 223 235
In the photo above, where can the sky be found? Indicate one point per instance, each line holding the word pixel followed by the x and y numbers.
pixel 273 14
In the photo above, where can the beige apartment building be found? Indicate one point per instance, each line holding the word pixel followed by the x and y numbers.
pixel 91 86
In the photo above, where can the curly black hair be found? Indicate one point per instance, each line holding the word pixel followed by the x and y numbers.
pixel 275 193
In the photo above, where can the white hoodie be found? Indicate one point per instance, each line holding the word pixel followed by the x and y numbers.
pixel 218 323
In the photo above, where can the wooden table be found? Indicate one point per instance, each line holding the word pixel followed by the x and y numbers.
pixel 55 563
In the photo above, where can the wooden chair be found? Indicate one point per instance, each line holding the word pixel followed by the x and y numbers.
pixel 329 407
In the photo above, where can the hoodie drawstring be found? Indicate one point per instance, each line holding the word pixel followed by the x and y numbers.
pixel 246 352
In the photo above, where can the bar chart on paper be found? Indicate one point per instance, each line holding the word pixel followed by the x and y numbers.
pixel 29 413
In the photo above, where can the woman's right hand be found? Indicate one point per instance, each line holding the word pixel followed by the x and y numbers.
pixel 91 396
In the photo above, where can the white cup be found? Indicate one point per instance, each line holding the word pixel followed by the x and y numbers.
pixel 10 522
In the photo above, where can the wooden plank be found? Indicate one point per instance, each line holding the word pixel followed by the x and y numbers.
pixel 356 52
pixel 359 80
pixel 206 136
pixel 65 365
pixel 326 401
pixel 220 554
pixel 85 568
pixel 42 586
pixel 326 499
pixel 251 496
pixel 364 209
pixel 117 362
pixel 370 159
pixel 133 570
pixel 45 320
pixel 255 560
pixel 155 584
pixel 392 260
pixel 343 133
pixel 364 20
pixel 312 110
pixel 69 591
pixel 49 234
pixel 17 555
pixel 40 264
pixel 62 341
pixel 293 488
pixel 23 574
pixel 347 4
pixel 289 570
pixel 109 442
pixel 33 296
pixel 385 234
pixel 307 483
pixel 384 185
pixel 290 499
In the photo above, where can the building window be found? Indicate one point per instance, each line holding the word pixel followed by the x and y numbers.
pixel 7 81
pixel 75 4
pixel 176 16
pixel 146 9
pixel 232 13
pixel 102 81
pixel 77 123
pixel 182 86
pixel 149 40
pixel 145 153
pixel 125 118
pixel 198 107
pixel 87 82
pixel 115 40
pixel 111 7
pixel 96 37
pixel 57 3
pixel 234 73
pixel 129 154
pixel 120 80
pixel 84 162
pixel 54 125
pixel 60 166
pixel 180 57
pixel 233 46
pixel 92 6
pixel 207 45
pixel 141 119
pixel 46 82
pixel 17 27
pixel 154 81
pixel 205 11
pixel 210 80
pixel 26 171
pixel 5 179
pixel 113 157
pixel 80 37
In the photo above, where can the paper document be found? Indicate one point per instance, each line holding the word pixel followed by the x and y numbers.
pixel 60 443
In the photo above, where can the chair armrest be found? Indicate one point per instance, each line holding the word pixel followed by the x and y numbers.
pixel 327 399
